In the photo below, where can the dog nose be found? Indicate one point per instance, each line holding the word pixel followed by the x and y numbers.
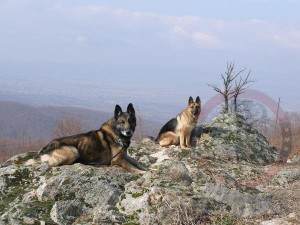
pixel 128 133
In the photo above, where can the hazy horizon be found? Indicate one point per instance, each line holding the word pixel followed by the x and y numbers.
pixel 153 53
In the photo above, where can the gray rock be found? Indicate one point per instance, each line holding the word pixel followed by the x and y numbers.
pixel 230 137
pixel 286 176
pixel 242 204
pixel 66 212
pixel 28 220
pixel 176 171
pixel 211 183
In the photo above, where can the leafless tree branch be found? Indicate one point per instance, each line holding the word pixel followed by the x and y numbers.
pixel 240 87
pixel 227 87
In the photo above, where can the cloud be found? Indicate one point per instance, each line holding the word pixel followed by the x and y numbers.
pixel 200 32
pixel 290 39
pixel 200 39
pixel 65 31
pixel 182 28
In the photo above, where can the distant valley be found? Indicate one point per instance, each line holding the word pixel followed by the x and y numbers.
pixel 38 122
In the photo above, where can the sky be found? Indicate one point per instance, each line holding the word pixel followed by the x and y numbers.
pixel 160 51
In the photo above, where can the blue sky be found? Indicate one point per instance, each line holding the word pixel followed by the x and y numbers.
pixel 178 46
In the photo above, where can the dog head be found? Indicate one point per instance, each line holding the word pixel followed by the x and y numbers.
pixel 125 122
pixel 194 106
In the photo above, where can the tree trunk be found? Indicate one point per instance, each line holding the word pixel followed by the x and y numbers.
pixel 235 104
pixel 226 104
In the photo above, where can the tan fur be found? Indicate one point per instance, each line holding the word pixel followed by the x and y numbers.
pixel 186 122
pixel 169 138
pixel 63 156
pixel 101 147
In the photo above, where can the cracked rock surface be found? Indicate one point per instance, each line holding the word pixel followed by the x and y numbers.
pixel 229 177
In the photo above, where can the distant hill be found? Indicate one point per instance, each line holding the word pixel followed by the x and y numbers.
pixel 20 120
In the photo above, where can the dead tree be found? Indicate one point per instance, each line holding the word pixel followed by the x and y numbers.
pixel 239 88
pixel 227 78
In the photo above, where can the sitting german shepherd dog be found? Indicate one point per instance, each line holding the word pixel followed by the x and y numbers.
pixel 178 130
pixel 106 146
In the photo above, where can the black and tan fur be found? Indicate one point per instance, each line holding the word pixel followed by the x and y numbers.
pixel 106 146
pixel 177 131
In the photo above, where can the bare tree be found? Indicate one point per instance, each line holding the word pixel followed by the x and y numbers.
pixel 239 88
pixel 227 78
pixel 67 127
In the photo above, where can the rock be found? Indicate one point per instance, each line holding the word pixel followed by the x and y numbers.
pixel 291 219
pixel 176 171
pixel 107 216
pixel 66 212
pixel 92 185
pixel 67 192
pixel 241 203
pixel 222 180
pixel 230 137
pixel 287 176
pixel 2 184
pixel 28 220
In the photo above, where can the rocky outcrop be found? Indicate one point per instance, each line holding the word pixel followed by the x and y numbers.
pixel 228 178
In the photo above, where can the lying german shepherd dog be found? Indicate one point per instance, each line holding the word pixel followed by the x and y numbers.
pixel 106 146
pixel 178 130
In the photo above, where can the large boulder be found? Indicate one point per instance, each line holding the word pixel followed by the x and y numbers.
pixel 229 177
pixel 230 137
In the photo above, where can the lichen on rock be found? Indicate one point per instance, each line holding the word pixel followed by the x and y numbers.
pixel 222 180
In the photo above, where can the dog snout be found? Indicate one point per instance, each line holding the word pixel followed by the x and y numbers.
pixel 127 133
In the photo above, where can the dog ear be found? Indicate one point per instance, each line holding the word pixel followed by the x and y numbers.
pixel 191 100
pixel 130 109
pixel 118 111
pixel 198 100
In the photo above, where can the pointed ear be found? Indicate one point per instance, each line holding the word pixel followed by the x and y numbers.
pixel 130 109
pixel 198 100
pixel 191 100
pixel 118 111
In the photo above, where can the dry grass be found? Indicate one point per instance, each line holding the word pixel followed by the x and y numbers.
pixel 275 136
pixel 183 213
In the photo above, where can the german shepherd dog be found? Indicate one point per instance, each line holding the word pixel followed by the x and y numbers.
pixel 178 130
pixel 106 146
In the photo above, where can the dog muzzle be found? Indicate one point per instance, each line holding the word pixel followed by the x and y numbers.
pixel 126 133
